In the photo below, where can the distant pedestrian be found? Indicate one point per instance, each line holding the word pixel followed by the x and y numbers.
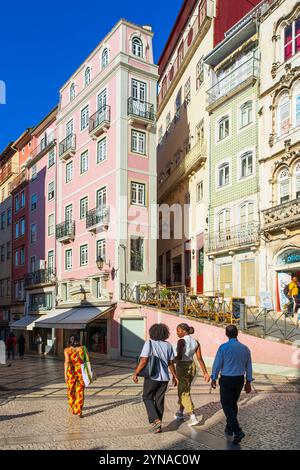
pixel 233 360
pixel 39 343
pixel 75 356
pixel 21 343
pixel 11 343
pixel 292 292
pixel 187 348
pixel 155 387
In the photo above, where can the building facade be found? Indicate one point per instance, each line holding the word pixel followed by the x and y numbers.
pixel 279 140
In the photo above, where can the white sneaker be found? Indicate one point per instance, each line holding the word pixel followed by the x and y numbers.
pixel 193 420
pixel 179 416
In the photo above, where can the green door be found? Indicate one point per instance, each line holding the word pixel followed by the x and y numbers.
pixel 132 337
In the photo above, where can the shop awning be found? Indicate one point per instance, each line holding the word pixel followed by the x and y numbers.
pixel 25 323
pixel 73 319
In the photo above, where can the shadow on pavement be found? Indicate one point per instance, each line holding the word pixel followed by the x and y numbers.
pixel 21 415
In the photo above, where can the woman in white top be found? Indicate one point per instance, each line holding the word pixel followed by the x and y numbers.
pixel 187 348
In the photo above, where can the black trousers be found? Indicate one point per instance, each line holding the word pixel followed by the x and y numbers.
pixel 154 398
pixel 230 389
pixel 11 351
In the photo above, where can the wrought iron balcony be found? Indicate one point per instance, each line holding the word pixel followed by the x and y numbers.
pixel 140 111
pixel 18 181
pixel 232 238
pixel 192 161
pixel 44 146
pixel 67 147
pixel 65 231
pixel 39 308
pixel 7 171
pixel 248 71
pixel 282 217
pixel 100 121
pixel 97 218
pixel 40 277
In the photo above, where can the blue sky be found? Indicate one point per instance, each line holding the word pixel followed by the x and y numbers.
pixel 42 44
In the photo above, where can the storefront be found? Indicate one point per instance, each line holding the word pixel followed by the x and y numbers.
pixel 287 266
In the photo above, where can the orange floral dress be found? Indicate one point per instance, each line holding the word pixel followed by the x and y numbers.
pixel 75 381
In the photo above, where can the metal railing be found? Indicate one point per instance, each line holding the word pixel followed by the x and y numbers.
pixel 285 214
pixel 45 144
pixel 69 143
pixel 97 216
pixel 41 276
pixel 7 171
pixel 233 79
pixel 20 179
pixel 100 116
pixel 39 308
pixel 141 109
pixel 238 235
pixel 65 229
pixel 271 323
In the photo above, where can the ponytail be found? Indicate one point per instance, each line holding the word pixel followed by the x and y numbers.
pixel 185 327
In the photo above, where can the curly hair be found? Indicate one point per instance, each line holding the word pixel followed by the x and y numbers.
pixel 159 332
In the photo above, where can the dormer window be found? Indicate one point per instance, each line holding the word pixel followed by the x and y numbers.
pixel 137 47
pixel 105 58
pixel 87 76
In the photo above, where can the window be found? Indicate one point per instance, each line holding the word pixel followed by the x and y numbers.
pixel 51 261
pixel 101 249
pixel 32 264
pixel 2 194
pixel 69 172
pixel 8 250
pixel 68 260
pixel 199 191
pixel 247 213
pixel 284 191
pixel 50 225
pixel 137 47
pixel 137 254
pixel 138 194
pixel 247 278
pixel 85 117
pixel 22 199
pixel 187 92
pixel 9 217
pixel 69 213
pixel 17 233
pixel 296 106
pixel 180 54
pixel 69 128
pixel 297 180
pixel 138 142
pixel 2 253
pixel 16 260
pixel 87 76
pixel 160 135
pixel 226 280
pixel 3 221
pixel 178 105
pixel 84 162
pixel 138 92
pixel 223 176
pixel 168 123
pixel 283 115
pixel 51 191
pixel 22 227
pixel 292 39
pixel 51 157
pixel 22 256
pixel 246 114
pixel 246 164
pixel 105 58
pixel 33 233
pixel 224 220
pixel 33 202
pixel 83 207
pixel 72 92
pixel 101 150
pixel 223 128
pixel 17 203
pixel 199 73
pixel 33 172
pixel 84 255
pixel 101 197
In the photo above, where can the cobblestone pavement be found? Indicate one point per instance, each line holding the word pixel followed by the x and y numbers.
pixel 34 415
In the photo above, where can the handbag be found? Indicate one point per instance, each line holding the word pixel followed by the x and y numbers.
pixel 152 365
pixel 87 373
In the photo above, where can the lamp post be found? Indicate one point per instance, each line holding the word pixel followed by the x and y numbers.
pixel 124 247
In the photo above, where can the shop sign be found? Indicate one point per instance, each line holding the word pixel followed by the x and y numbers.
pixel 266 301
pixel 289 257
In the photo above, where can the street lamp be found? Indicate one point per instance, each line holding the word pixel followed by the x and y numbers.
pixel 100 262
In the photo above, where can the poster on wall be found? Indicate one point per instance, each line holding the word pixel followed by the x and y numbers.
pixel 283 280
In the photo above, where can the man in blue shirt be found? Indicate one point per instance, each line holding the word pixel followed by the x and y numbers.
pixel 233 360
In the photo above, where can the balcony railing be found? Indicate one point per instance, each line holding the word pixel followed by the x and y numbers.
pixel 138 109
pixel 100 121
pixel 39 308
pixel 67 147
pixel 7 171
pixel 247 70
pixel 65 231
pixel 97 217
pixel 233 237
pixel 20 179
pixel 39 277
pixel 44 146
pixel 282 216
pixel 191 162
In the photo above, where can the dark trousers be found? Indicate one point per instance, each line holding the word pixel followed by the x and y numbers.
pixel 230 389
pixel 11 350
pixel 154 398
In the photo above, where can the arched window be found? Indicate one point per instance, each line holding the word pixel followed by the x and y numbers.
pixel 223 175
pixel 223 128
pixel 105 58
pixel 296 105
pixel 87 76
pixel 283 114
pixel 224 220
pixel 246 114
pixel 137 47
pixel 247 213
pixel 292 39
pixel 297 180
pixel 246 163
pixel 72 92
pixel 283 186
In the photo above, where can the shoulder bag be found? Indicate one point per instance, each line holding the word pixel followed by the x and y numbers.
pixel 152 365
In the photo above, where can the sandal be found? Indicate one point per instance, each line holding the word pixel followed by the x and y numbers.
pixel 155 427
